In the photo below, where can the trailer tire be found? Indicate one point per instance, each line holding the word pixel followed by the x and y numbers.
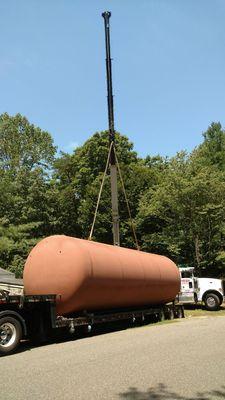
pixel 162 316
pixel 10 334
pixel 180 313
pixel 171 314
pixel 212 302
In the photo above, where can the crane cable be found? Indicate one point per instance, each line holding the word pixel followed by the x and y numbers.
pixel 125 196
pixel 127 202
pixel 100 193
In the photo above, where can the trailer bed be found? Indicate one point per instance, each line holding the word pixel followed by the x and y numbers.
pixel 35 317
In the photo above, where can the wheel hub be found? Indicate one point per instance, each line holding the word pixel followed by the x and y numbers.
pixel 7 334
pixel 211 301
pixel 3 335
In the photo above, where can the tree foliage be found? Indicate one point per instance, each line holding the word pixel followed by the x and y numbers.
pixel 26 207
pixel 177 204
pixel 23 145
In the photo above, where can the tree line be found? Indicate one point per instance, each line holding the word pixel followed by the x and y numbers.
pixel 177 203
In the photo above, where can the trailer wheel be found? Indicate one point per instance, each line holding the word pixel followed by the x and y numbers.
pixel 180 313
pixel 162 316
pixel 212 302
pixel 170 313
pixel 10 334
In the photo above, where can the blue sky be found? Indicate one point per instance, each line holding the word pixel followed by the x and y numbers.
pixel 168 69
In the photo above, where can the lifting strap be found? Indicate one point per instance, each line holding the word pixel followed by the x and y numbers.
pixel 100 193
pixel 125 196
pixel 127 202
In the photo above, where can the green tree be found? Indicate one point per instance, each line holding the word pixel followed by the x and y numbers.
pixel 183 217
pixel 177 204
pixel 79 176
pixel 22 145
pixel 26 190
pixel 212 151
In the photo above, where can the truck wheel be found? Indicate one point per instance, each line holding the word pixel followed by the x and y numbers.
pixel 212 302
pixel 10 334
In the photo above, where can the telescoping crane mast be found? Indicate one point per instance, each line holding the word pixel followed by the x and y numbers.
pixel 112 160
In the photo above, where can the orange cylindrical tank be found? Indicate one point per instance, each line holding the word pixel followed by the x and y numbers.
pixel 92 276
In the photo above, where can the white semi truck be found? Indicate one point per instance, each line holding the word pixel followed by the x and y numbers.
pixel 195 290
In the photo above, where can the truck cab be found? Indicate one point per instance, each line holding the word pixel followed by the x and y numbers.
pixel 200 290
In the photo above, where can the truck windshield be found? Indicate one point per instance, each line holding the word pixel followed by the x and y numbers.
pixel 186 274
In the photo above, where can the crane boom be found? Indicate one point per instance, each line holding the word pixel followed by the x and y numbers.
pixel 113 168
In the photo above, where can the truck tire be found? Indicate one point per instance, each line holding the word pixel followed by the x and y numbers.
pixel 212 302
pixel 10 334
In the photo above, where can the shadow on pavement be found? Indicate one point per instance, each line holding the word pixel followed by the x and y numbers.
pixel 62 336
pixel 161 392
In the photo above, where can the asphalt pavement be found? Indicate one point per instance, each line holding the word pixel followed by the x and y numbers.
pixel 182 360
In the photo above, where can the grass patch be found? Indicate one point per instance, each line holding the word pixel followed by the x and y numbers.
pixel 198 311
pixel 190 311
pixel 166 321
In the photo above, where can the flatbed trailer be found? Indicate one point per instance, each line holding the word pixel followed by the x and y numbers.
pixel 35 318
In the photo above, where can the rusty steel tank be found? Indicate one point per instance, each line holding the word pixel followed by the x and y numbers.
pixel 91 276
